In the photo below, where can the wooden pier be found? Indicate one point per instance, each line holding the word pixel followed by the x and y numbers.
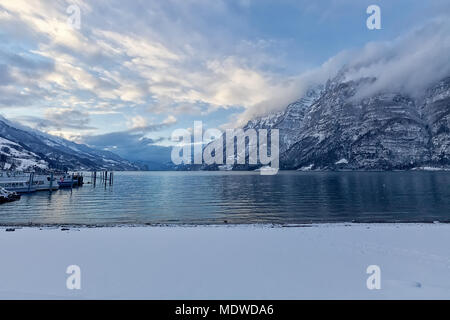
pixel 105 178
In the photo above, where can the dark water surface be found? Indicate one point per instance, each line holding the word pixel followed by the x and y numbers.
pixel 242 197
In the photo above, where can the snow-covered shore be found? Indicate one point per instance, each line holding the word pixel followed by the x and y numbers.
pixel 235 262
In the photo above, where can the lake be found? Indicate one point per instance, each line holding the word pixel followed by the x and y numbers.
pixel 290 197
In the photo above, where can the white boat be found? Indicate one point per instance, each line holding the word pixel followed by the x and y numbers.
pixel 70 180
pixel 19 184
pixel 45 183
pixel 27 182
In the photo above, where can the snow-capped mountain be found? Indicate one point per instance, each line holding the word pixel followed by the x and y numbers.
pixel 23 148
pixel 436 112
pixel 389 130
pixel 331 128
pixel 289 120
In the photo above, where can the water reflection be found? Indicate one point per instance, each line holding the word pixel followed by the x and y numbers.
pixel 242 197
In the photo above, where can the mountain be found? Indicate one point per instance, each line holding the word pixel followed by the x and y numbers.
pixel 23 148
pixel 436 111
pixel 289 120
pixel 336 127
pixel 386 131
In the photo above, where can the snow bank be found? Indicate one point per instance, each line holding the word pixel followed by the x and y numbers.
pixel 3 192
pixel 7 196
pixel 325 262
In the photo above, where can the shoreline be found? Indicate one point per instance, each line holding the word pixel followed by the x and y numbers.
pixel 50 226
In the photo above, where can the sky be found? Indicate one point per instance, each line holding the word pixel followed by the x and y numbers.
pixel 136 70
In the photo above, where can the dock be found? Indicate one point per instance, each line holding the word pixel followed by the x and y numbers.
pixel 29 182
pixel 105 177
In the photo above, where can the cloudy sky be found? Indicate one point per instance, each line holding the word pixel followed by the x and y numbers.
pixel 136 70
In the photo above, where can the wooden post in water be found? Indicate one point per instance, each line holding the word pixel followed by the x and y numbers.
pixel 106 177
pixel 30 182
pixel 51 182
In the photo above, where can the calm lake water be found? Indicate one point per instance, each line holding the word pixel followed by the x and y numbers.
pixel 241 197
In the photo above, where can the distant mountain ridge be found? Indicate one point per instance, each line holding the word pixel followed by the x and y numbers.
pixel 331 128
pixel 23 148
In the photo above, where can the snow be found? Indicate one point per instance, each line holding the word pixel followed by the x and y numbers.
pixel 7 143
pixel 20 156
pixel 23 159
pixel 342 161
pixel 306 168
pixel 430 169
pixel 226 167
pixel 7 196
pixel 4 193
pixel 109 160
pixel 25 164
pixel 320 136
pixel 50 143
pixel 230 262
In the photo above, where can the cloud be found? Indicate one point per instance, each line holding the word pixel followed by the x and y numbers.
pixel 409 64
pixel 173 58
pixel 141 125
pixel 291 90
pixel 138 122
pixel 58 120
pixel 132 146
pixel 170 120
pixel 168 65
pixel 133 143
pixel 19 76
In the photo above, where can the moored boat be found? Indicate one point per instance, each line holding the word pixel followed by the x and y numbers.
pixel 45 183
pixel 70 180
pixel 28 182
pixel 20 183
pixel 66 181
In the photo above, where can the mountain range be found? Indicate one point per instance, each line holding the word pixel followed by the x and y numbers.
pixel 334 127
pixel 23 148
